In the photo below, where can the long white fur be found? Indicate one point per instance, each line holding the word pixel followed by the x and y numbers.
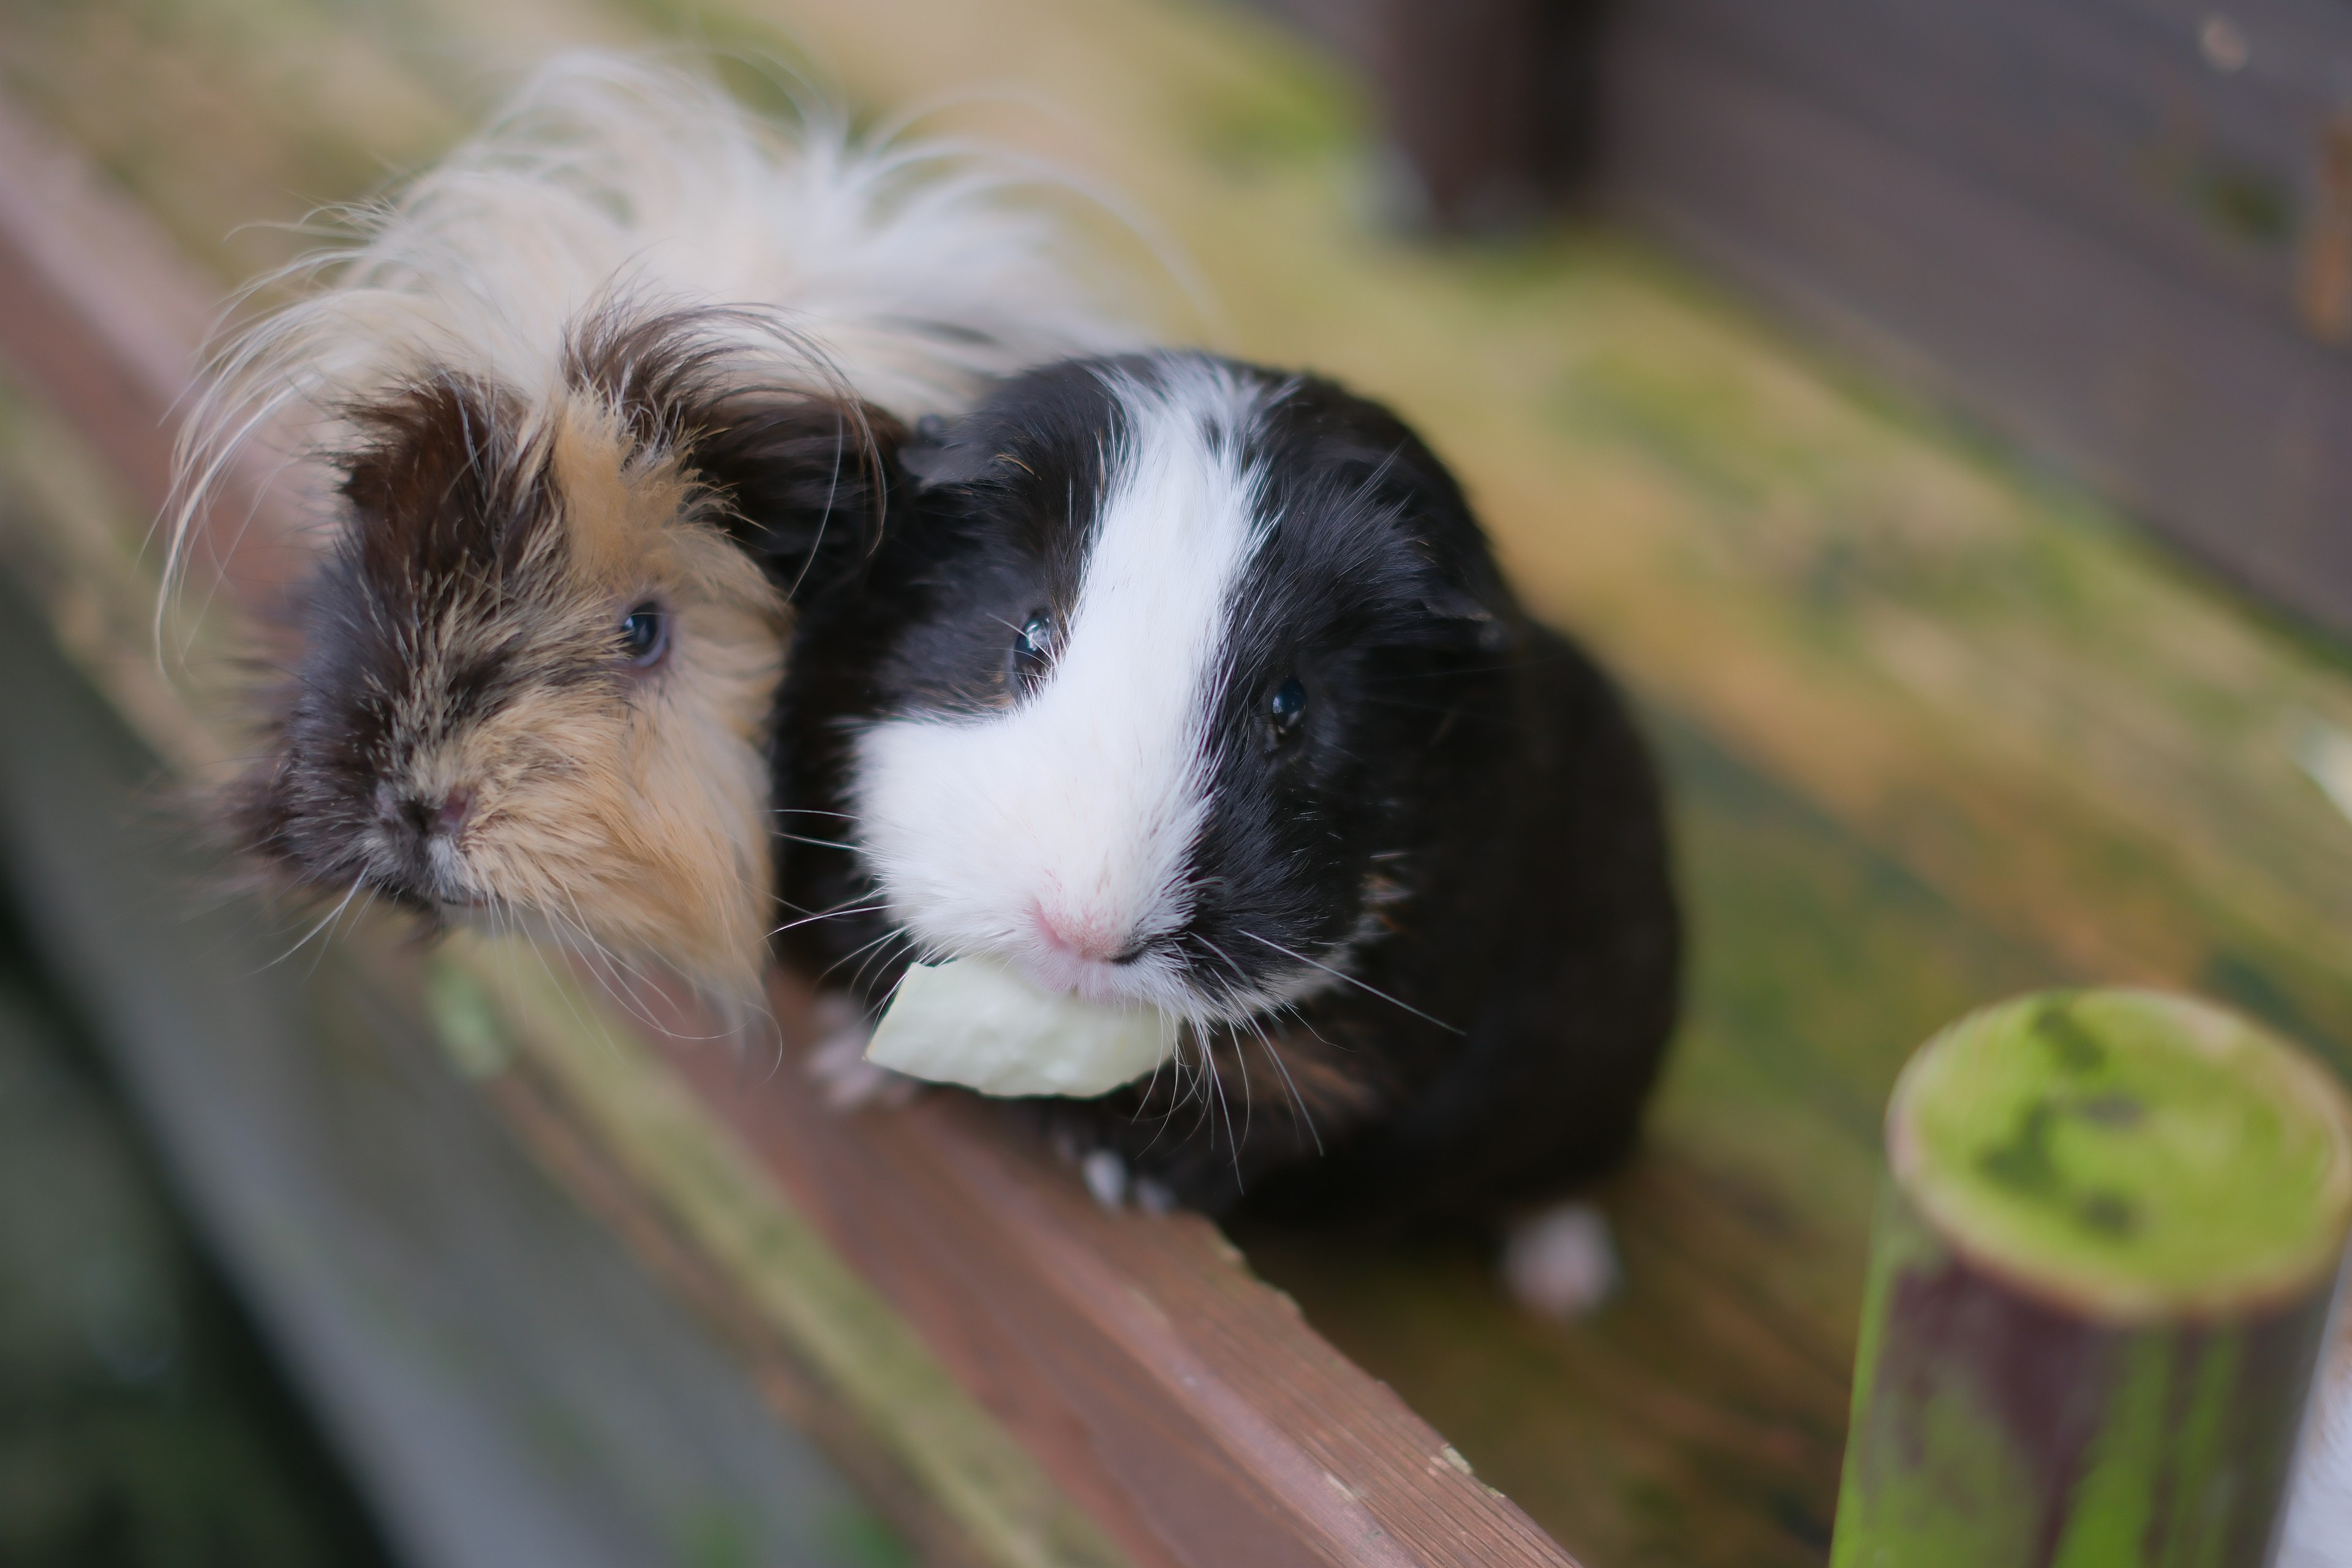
pixel 608 179
pixel 1076 808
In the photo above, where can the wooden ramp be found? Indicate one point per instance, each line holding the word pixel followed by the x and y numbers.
pixel 1938 730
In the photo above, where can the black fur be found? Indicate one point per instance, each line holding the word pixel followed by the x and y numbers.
pixel 1467 820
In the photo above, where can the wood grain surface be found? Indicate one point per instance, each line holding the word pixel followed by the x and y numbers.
pixel 2100 235
pixel 1937 727
pixel 1185 1403
pixel 2118 232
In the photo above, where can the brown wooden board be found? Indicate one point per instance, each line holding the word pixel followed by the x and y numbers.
pixel 1192 1410
pixel 2067 217
pixel 1184 1405
pixel 2119 233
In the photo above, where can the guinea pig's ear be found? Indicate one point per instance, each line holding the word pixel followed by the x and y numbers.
pixel 926 458
pixel 1463 617
pixel 806 478
pixel 937 453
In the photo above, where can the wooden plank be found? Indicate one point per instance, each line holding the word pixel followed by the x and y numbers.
pixel 2061 217
pixel 1188 1408
pixel 1183 1404
pixel 74 253
pixel 1490 110
pixel 2119 233
pixel 1136 1349
pixel 705 1215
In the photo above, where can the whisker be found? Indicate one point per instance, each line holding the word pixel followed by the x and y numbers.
pixel 1359 984
pixel 577 937
pixel 828 915
pixel 1298 1015
pixel 628 996
pixel 863 947
pixel 320 957
pixel 804 838
pixel 883 955
pixel 1266 1042
pixel 602 962
pixel 588 1023
pixel 324 921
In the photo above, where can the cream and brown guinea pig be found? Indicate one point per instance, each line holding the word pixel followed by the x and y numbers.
pixel 581 406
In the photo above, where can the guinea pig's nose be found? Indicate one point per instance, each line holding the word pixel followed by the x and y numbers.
pixel 426 816
pixel 1081 937
pixel 450 815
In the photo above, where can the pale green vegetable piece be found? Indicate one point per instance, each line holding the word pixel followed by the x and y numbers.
pixel 972 1021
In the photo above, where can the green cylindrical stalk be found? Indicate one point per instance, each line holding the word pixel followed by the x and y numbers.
pixel 2104 1264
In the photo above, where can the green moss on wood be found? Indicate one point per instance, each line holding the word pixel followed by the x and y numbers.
pixel 2100 1276
pixel 2141 1154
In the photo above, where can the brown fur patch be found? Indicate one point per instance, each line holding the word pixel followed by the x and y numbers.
pixel 633 812
pixel 464 643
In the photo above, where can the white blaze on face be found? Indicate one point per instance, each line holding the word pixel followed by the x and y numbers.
pixel 1054 834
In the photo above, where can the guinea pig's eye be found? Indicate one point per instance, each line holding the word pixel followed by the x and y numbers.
pixel 1286 711
pixel 645 636
pixel 1033 652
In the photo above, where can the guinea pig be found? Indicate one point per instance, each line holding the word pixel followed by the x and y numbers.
pixel 580 408
pixel 1185 682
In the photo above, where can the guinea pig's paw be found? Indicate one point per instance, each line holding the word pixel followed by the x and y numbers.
pixel 1115 1186
pixel 1561 1262
pixel 1106 1176
pixel 847 1080
pixel 1153 1196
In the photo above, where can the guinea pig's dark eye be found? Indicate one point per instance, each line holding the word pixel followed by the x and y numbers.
pixel 1033 652
pixel 644 636
pixel 1286 711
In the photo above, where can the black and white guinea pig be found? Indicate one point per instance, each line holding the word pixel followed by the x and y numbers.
pixel 1181 682
pixel 582 405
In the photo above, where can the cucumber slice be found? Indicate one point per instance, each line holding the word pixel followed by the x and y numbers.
pixel 972 1021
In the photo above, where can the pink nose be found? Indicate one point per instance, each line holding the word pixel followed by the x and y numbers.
pixel 1080 936
pixel 450 816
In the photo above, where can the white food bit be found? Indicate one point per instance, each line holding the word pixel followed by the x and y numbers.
pixel 977 1023
pixel 1561 1263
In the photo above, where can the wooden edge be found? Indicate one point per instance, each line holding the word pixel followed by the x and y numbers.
pixel 1181 1404
pixel 98 315
pixel 635 1141
pixel 549 1122
pixel 107 319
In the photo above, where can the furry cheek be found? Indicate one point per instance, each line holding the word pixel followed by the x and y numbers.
pixel 630 817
